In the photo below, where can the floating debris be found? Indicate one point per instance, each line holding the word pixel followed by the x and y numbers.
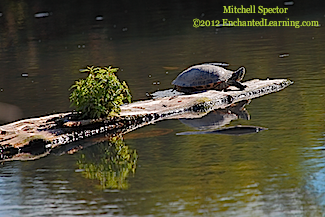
pixel 99 18
pixel 283 55
pixel 290 3
pixel 42 15
pixel 0 14
pixel 24 75
pixel 224 25
pixel 170 67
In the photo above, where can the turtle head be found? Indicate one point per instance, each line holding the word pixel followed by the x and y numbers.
pixel 238 74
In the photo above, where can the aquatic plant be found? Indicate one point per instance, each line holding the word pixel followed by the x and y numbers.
pixel 100 94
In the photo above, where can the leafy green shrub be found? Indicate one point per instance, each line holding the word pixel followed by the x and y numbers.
pixel 100 94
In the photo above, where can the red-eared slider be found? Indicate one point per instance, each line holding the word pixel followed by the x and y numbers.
pixel 208 76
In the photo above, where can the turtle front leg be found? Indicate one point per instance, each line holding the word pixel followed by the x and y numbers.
pixel 238 85
pixel 241 86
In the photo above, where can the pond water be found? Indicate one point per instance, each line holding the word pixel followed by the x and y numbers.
pixel 277 172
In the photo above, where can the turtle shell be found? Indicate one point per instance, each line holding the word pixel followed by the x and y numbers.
pixel 201 75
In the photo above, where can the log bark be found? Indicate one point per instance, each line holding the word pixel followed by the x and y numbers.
pixel 38 136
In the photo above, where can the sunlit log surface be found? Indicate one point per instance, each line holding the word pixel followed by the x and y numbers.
pixel 35 137
pixel 208 100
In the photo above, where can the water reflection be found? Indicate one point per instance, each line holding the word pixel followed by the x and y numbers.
pixel 315 181
pixel 219 117
pixel 214 122
pixel 316 186
pixel 109 162
pixel 105 159
pixel 234 130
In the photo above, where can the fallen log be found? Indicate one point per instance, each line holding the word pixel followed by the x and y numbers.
pixel 169 107
pixel 38 136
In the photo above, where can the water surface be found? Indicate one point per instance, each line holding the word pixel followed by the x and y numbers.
pixel 278 172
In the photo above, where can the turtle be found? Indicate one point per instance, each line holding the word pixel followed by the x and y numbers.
pixel 208 76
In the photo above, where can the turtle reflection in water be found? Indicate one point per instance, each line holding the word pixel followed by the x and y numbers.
pixel 236 130
pixel 215 120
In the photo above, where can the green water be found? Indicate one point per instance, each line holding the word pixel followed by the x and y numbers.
pixel 278 172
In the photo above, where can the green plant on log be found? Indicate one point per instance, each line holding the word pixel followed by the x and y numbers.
pixel 110 163
pixel 100 94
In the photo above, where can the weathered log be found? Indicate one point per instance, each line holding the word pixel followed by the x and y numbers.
pixel 169 107
pixel 38 136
